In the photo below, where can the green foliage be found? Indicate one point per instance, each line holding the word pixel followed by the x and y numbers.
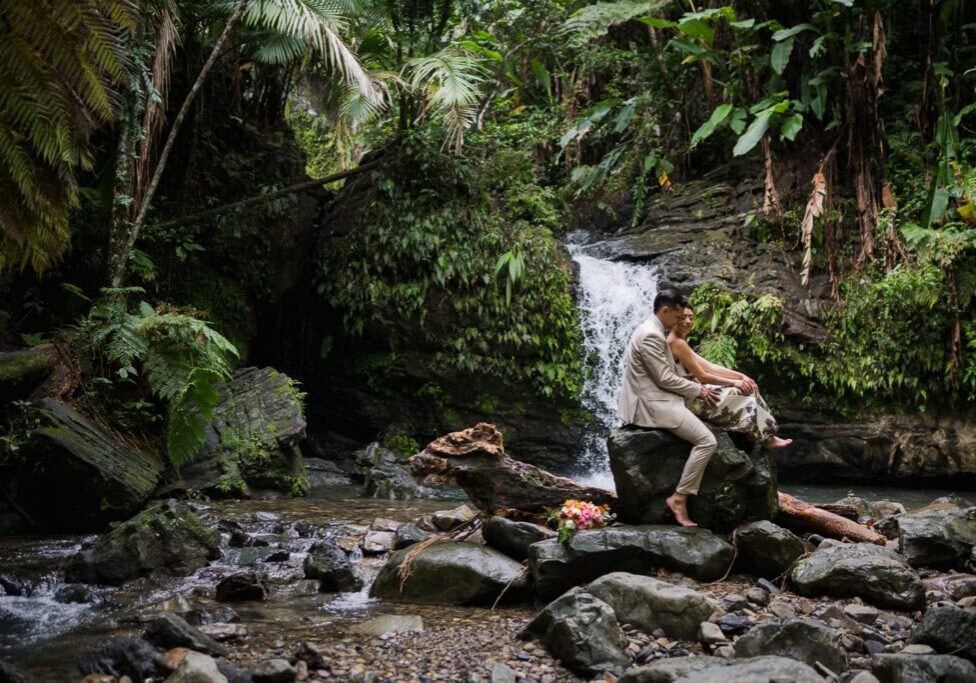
pixel 423 263
pixel 181 358
pixel 60 61
pixel 403 445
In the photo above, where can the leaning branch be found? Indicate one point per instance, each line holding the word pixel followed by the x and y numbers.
pixel 258 199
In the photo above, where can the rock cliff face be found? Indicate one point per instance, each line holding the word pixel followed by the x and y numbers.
pixel 890 447
pixel 253 440
pixel 697 234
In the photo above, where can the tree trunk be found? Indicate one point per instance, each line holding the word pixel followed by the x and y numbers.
pixel 120 259
pixel 811 518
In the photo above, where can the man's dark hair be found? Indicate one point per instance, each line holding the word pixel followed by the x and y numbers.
pixel 669 297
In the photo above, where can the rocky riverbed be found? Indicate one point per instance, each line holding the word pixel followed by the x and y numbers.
pixel 622 607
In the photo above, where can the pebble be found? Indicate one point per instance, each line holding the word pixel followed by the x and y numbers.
pixel 864 614
pixel 757 596
pixel 873 647
pixel 917 649
pixel 735 602
pixel 864 677
pixel 782 610
pixel 711 634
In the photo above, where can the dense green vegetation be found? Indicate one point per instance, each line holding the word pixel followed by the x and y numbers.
pixel 170 190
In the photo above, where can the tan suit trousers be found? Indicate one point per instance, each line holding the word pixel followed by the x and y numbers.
pixel 703 445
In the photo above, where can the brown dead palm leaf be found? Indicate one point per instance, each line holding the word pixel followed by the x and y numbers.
pixel 815 208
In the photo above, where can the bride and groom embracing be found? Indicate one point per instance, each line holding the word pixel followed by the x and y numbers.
pixel 666 385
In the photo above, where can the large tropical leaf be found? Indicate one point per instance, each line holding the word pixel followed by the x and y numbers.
pixel 450 81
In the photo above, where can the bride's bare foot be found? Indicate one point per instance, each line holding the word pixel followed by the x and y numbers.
pixel 679 508
pixel 777 442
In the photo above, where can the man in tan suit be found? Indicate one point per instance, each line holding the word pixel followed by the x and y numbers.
pixel 653 396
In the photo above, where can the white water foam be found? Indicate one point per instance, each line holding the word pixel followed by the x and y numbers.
pixel 614 297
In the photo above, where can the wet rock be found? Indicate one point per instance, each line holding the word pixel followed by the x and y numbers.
pixel 330 565
pixel 12 585
pixel 452 573
pixel 801 639
pixel 197 668
pixel 168 631
pixel 225 632
pixel 217 615
pixel 734 624
pixel 765 549
pixel 878 575
pixel 737 486
pixel 273 671
pixel 253 439
pixel 948 630
pixel 757 596
pixel 697 552
pixel 898 668
pixel 10 674
pixel 387 478
pixel 311 654
pixel 132 657
pixel 936 538
pixel 377 542
pixel 710 633
pixel 166 538
pixel 409 534
pixel 241 587
pixel 581 631
pixel 956 586
pixel 76 592
pixel 865 614
pixel 719 670
pixel 325 473
pixel 232 673
pixel 389 623
pixel 514 538
pixel 650 604
pixel 670 670
pixel 446 520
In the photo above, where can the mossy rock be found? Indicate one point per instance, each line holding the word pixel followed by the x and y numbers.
pixel 253 439
pixel 167 538
pixel 93 475
pixel 21 372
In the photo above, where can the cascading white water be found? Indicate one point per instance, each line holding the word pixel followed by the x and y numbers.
pixel 614 297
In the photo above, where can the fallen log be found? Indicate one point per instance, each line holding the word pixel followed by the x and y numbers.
pixel 475 459
pixel 813 518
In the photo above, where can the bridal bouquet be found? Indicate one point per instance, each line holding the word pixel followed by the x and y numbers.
pixel 575 515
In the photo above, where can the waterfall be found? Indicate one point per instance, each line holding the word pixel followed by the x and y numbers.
pixel 614 297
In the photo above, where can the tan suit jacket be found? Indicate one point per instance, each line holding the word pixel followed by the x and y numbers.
pixel 653 393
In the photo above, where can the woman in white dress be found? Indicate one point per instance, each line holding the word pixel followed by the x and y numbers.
pixel 740 408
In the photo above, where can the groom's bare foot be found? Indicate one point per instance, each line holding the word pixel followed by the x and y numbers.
pixel 777 442
pixel 679 508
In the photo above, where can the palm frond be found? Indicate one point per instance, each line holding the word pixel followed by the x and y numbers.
pixel 320 25
pixel 450 81
pixel 594 21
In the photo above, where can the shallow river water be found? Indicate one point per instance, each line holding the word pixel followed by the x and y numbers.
pixel 45 637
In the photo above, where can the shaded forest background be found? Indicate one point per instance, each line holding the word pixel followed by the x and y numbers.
pixel 159 227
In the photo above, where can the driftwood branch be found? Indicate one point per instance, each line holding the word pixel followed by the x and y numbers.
pixel 475 458
pixel 812 518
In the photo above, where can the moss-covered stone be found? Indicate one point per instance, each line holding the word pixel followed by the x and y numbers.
pixel 253 438
pixel 167 538
pixel 93 475
pixel 21 371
